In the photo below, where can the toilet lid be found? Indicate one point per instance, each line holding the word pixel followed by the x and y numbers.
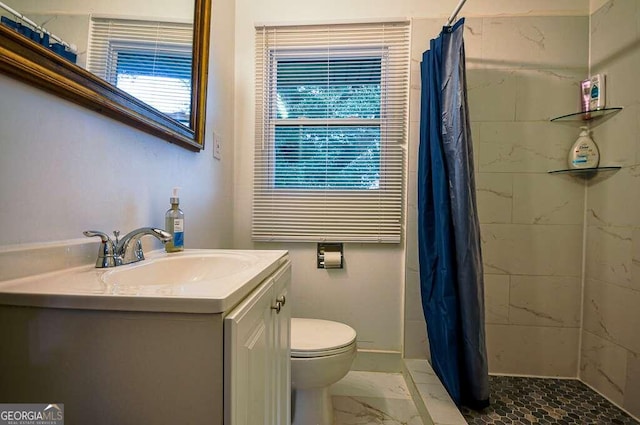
pixel 314 337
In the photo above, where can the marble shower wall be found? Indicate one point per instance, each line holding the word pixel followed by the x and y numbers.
pixel 521 71
pixel 610 355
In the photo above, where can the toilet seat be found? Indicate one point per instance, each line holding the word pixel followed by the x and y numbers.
pixel 320 338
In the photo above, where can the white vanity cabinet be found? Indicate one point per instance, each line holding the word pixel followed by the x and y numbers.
pixel 213 351
pixel 256 356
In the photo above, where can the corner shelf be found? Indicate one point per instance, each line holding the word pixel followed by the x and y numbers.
pixel 586 173
pixel 582 117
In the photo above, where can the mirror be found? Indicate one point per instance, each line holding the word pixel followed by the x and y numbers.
pixel 45 67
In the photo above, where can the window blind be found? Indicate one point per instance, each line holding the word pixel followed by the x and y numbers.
pixel 147 59
pixel 331 129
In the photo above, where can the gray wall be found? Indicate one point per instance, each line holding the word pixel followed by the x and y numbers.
pixel 64 169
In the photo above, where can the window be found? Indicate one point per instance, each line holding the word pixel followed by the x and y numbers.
pixel 330 132
pixel 149 60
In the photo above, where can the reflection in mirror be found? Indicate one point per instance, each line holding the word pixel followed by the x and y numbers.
pixel 150 60
pixel 142 47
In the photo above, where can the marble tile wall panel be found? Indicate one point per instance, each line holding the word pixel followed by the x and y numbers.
pixel 542 94
pixel 612 286
pixel 535 42
pixel 609 254
pixel 473 41
pixel 532 350
pixel 604 366
pixel 496 298
pixel 615 201
pixel 494 195
pixel 611 312
pixel 532 250
pixel 524 147
pixel 637 146
pixel 547 199
pixel 617 137
pixel 605 43
pixel 491 94
pixel 545 301
pixel 635 259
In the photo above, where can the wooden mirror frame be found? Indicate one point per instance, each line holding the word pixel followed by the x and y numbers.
pixel 28 61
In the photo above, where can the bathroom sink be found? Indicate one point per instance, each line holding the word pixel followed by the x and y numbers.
pixel 192 281
pixel 180 269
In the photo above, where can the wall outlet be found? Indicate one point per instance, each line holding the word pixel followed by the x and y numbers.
pixel 217 146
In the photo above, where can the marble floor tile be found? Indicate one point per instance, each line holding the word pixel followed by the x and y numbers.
pixel 374 411
pixel 372 384
pixel 373 398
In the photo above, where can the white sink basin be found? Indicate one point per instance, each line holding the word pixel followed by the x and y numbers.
pixel 175 271
pixel 193 281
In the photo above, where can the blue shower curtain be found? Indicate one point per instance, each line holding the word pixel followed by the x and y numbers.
pixel 449 235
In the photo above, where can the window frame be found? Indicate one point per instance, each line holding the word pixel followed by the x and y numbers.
pixel 306 54
pixel 331 211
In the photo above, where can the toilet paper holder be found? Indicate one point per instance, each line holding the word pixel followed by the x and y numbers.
pixel 330 248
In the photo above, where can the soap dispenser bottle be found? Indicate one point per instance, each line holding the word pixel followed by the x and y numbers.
pixel 584 152
pixel 174 224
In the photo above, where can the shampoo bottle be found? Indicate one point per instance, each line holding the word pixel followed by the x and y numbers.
pixel 584 152
pixel 174 224
pixel 597 99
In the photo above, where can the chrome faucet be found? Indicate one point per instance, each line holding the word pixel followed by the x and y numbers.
pixel 127 250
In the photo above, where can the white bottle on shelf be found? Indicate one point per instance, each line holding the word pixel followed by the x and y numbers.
pixel 584 152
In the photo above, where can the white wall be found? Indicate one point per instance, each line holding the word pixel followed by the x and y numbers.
pixel 65 169
pixel 170 9
pixel 368 294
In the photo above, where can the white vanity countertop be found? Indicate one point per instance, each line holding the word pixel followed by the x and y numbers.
pixel 190 289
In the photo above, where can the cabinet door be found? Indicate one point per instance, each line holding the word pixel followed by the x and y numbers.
pixel 282 347
pixel 248 360
pixel 257 355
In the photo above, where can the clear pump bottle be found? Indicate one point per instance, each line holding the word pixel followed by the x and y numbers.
pixel 174 224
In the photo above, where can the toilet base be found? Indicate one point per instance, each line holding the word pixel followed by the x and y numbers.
pixel 311 406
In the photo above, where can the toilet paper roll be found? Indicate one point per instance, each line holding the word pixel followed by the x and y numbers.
pixel 332 260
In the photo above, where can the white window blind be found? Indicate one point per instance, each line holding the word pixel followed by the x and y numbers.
pixel 331 129
pixel 147 59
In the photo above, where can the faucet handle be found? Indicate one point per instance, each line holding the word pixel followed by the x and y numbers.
pixel 116 233
pixel 91 233
pixel 106 251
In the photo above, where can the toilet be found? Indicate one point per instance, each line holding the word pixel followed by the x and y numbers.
pixel 322 352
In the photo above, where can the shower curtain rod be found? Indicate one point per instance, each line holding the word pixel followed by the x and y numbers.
pixel 455 12
pixel 37 27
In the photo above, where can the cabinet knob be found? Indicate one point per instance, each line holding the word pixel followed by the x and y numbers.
pixel 277 307
pixel 282 299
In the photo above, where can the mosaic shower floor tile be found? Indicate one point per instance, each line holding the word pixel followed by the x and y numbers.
pixel 518 400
